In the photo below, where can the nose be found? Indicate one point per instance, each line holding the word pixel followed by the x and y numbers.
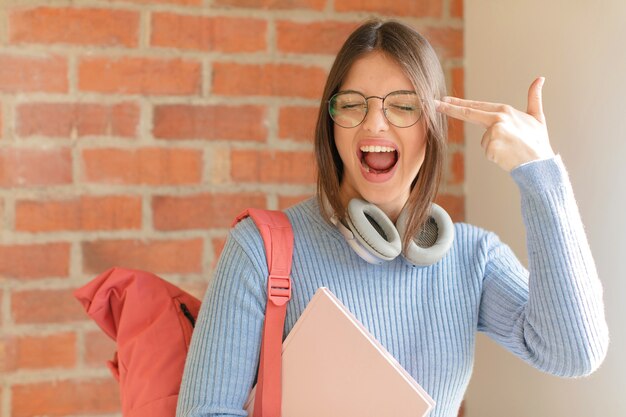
pixel 375 120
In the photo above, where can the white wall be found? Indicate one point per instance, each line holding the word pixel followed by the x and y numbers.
pixel 580 47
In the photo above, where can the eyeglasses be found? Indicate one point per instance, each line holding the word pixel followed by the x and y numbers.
pixel 349 108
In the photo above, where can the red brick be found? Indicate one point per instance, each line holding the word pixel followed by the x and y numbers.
pixel 273 166
pixel 457 168
pixel 409 8
pixel 194 288
pixel 223 34
pixel 130 75
pixel 314 38
pixel 83 119
pixel 268 80
pixel 101 27
pixel 285 201
pixel 99 348
pixel 456 8
pixel 454 205
pixel 297 123
pixel 124 120
pixel 35 260
pixel 84 213
pixel 164 256
pixel 21 167
pixel 38 352
pixel 180 121
pixel 218 244
pixel 46 306
pixel 30 74
pixel 273 4
pixel 68 397
pixel 201 211
pixel 447 42
pixel 154 166
pixel 456 130
pixel 458 82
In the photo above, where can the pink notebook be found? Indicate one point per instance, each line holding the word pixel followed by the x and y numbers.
pixel 333 367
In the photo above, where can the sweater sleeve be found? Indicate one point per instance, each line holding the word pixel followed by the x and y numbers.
pixel 223 356
pixel 551 316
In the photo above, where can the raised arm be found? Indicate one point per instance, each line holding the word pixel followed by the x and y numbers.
pixel 552 315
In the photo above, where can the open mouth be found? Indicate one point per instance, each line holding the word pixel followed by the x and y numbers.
pixel 378 159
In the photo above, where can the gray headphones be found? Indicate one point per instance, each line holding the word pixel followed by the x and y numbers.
pixel 375 238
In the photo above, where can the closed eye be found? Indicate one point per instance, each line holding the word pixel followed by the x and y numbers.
pixel 349 106
pixel 406 108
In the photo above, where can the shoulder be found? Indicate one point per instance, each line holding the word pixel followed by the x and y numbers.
pixel 484 249
pixel 474 240
pixel 244 240
pixel 469 234
pixel 305 219
pixel 308 223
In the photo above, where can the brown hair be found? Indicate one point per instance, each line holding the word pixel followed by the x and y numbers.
pixel 418 59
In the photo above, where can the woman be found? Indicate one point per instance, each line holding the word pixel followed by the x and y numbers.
pixel 380 142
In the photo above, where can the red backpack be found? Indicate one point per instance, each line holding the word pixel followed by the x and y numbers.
pixel 152 321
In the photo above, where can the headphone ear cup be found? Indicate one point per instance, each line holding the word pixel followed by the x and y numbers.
pixel 373 230
pixel 424 254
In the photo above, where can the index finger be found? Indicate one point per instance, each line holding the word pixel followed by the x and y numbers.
pixel 467 114
pixel 480 105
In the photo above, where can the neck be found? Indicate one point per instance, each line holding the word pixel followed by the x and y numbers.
pixel 391 208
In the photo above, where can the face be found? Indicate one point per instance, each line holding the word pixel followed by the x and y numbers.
pixel 380 160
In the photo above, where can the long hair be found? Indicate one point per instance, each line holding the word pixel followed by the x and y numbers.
pixel 420 63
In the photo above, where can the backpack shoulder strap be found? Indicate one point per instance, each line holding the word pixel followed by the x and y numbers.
pixel 275 229
pixel 277 235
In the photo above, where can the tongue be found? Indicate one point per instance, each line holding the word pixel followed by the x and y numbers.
pixel 380 161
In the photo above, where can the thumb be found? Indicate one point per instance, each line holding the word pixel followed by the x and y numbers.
pixel 535 107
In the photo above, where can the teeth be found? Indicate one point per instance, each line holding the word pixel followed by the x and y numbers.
pixel 376 148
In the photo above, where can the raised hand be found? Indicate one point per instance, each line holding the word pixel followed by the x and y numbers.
pixel 512 137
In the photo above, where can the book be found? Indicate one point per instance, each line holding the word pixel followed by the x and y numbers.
pixel 333 367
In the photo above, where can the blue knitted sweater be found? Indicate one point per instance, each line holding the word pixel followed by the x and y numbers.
pixel 551 316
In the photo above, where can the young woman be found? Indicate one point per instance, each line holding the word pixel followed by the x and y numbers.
pixel 422 285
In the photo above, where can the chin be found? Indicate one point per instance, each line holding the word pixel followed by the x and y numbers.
pixel 382 198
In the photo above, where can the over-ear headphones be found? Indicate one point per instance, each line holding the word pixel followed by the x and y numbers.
pixel 375 238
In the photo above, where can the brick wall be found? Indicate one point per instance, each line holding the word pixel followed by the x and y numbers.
pixel 131 133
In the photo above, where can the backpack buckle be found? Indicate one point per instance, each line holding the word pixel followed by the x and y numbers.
pixel 279 289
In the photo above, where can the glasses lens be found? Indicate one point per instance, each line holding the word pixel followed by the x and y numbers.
pixel 347 109
pixel 403 109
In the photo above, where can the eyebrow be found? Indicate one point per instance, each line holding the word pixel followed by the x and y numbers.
pixel 364 95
